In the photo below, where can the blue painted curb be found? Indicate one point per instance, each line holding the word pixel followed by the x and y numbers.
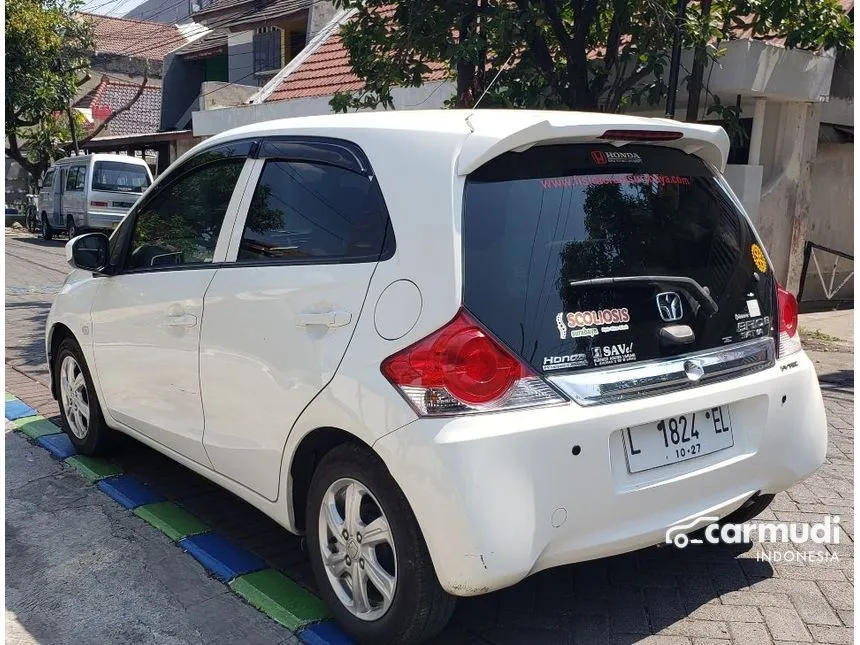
pixel 58 445
pixel 128 491
pixel 327 633
pixel 221 557
pixel 16 409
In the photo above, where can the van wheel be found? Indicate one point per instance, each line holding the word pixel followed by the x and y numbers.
pixel 71 227
pixel 79 404
pixel 367 553
pixel 47 231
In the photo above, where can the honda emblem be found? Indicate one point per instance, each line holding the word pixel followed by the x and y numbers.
pixel 670 306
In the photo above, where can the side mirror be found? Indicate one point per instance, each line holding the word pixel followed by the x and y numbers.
pixel 89 252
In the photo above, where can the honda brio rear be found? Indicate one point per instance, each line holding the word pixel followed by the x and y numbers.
pixel 591 348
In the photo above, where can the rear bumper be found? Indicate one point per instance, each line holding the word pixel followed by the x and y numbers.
pixel 501 496
pixel 102 220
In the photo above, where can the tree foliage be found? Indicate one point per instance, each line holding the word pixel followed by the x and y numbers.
pixel 48 47
pixel 576 54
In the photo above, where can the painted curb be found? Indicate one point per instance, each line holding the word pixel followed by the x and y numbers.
pixel 172 520
pixel 220 556
pixel 128 491
pixel 247 575
pixel 93 468
pixel 16 409
pixel 280 598
pixel 326 633
pixel 35 427
pixel 58 445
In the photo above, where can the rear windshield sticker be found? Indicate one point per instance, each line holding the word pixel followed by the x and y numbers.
pixel 758 258
pixel 613 354
pixel 754 309
pixel 582 323
pixel 564 362
pixel 602 158
pixel 754 327
pixel 599 180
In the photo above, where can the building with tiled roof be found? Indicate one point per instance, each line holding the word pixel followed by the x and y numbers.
pixel 143 117
pixel 142 39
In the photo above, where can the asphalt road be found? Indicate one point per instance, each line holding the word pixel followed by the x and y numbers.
pixel 81 570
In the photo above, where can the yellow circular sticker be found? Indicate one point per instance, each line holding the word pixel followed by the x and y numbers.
pixel 758 258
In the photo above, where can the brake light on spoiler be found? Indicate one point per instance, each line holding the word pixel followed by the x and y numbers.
pixel 641 135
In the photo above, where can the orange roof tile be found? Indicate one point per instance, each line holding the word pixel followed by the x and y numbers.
pixel 134 38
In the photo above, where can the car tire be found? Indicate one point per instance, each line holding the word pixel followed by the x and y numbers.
pixel 47 231
pixel 80 411
pixel 418 608
pixel 71 227
pixel 749 510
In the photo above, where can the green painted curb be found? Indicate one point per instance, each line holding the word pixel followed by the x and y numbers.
pixel 170 519
pixel 280 598
pixel 35 427
pixel 93 468
pixel 10 397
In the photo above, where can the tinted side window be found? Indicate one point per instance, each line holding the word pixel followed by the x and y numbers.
pixel 71 178
pixel 49 179
pixel 181 223
pixel 81 178
pixel 315 212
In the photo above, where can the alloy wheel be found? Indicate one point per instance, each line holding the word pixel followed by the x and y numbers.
pixel 76 400
pixel 357 549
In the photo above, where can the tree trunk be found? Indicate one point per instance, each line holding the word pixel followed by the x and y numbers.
pixel 694 87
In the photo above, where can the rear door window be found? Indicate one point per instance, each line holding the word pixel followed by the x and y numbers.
pixel 119 177
pixel 594 256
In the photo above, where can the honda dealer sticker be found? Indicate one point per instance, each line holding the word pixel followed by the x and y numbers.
pixel 613 354
pixel 758 258
pixel 602 158
pixel 564 362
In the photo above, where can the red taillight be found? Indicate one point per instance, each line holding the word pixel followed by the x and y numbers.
pixel 98 203
pixel 461 368
pixel 789 339
pixel 641 135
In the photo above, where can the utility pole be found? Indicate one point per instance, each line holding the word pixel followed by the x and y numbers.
pixel 675 64
pixel 695 86
pixel 72 128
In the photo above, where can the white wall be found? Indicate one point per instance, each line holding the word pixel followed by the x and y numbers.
pixel 831 221
pixel 208 123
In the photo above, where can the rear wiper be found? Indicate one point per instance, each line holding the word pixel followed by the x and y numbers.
pixel 707 301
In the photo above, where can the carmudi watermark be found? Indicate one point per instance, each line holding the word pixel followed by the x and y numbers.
pixel 709 530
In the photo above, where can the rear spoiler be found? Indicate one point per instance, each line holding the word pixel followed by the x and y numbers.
pixel 493 135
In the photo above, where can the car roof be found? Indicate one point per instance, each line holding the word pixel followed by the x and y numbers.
pixel 484 134
pixel 101 156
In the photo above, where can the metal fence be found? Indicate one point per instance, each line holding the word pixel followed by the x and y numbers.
pixel 832 279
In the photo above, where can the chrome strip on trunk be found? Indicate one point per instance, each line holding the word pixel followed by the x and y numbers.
pixel 660 376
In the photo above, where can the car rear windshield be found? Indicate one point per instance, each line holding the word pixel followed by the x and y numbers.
pixel 594 256
pixel 119 177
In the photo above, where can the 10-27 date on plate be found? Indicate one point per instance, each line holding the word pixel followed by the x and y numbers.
pixel 677 439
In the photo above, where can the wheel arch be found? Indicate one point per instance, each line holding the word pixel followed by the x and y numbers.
pixel 59 332
pixel 305 459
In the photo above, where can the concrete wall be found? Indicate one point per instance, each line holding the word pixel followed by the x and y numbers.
pixel 180 88
pixel 218 94
pixel 319 14
pixel 428 96
pixel 831 221
pixel 240 57
pixel 746 182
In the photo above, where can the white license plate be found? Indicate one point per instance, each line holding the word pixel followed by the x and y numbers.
pixel 678 438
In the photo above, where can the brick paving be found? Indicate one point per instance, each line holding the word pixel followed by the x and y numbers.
pixel 703 596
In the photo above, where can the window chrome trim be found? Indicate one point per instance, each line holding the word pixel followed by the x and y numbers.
pixel 661 376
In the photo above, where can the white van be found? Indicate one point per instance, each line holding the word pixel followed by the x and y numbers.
pixel 90 192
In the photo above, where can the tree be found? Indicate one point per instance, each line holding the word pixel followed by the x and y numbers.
pixel 47 59
pixel 575 54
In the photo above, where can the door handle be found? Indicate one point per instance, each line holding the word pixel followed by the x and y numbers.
pixel 326 319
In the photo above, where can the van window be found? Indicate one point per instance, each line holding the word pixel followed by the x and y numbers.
pixel 49 179
pixel 591 256
pixel 310 212
pixel 76 178
pixel 119 177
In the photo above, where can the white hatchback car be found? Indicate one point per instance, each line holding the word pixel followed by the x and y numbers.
pixel 452 348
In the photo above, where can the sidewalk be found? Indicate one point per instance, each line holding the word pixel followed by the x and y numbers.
pixel 838 325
